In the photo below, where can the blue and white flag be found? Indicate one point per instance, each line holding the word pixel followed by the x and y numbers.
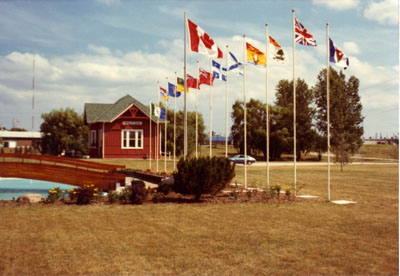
pixel 233 64
pixel 172 90
pixel 217 71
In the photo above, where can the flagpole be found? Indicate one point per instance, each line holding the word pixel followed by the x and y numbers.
pixel 33 94
pixel 328 111
pixel 226 105
pixel 185 142
pixel 197 107
pixel 245 111
pixel 294 105
pixel 266 96
pixel 158 126
pixel 211 136
pixel 175 88
pixel 151 112
pixel 165 132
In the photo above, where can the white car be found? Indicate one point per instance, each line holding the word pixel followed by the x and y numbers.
pixel 239 159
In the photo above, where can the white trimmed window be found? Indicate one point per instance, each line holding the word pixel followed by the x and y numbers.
pixel 132 138
pixel 93 138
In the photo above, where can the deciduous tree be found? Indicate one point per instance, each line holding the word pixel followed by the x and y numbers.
pixel 63 130
pixel 345 113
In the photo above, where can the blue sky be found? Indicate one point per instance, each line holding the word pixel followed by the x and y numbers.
pixel 99 51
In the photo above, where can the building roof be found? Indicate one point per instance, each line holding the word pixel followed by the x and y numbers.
pixel 95 112
pixel 20 134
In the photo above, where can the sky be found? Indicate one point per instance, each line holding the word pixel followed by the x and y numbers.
pixel 97 51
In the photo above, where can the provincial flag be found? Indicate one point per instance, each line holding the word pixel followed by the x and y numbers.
pixel 255 56
pixel 155 110
pixel 302 36
pixel 276 51
pixel 181 85
pixel 164 94
pixel 162 114
pixel 172 92
pixel 217 71
pixel 191 81
pixel 337 56
pixel 233 63
pixel 201 42
pixel 205 77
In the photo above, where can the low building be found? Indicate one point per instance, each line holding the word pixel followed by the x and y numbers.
pixel 13 139
pixel 218 140
pixel 124 129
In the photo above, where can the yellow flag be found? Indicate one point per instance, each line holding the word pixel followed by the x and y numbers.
pixel 255 56
pixel 180 85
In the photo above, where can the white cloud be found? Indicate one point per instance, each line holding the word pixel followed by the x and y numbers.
pixel 99 49
pixel 109 2
pixel 72 80
pixel 351 48
pixel 338 4
pixel 384 12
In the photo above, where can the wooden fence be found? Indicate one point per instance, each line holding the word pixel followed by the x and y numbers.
pixel 61 170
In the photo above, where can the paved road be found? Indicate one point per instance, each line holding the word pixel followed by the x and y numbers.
pixel 277 164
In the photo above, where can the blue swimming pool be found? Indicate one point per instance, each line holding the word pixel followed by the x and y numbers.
pixel 14 187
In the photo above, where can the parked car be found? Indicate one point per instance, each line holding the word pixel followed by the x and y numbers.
pixel 239 159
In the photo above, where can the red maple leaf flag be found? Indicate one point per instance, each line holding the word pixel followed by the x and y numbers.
pixel 201 42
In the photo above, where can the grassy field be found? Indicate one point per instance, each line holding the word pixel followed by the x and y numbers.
pixel 302 238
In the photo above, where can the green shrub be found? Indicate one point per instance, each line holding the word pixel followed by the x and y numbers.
pixel 54 195
pixel 202 175
pixel 138 192
pixel 112 196
pixel 164 188
pixel 84 195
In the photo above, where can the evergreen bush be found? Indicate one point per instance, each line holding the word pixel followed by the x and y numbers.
pixel 202 175
pixel 138 192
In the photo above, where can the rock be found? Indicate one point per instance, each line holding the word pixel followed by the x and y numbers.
pixel 30 198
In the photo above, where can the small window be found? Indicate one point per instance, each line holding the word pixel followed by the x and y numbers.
pixel 93 138
pixel 132 139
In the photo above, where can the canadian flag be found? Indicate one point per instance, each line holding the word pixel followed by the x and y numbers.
pixel 201 42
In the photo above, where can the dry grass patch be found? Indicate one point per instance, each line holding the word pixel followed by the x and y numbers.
pixel 204 239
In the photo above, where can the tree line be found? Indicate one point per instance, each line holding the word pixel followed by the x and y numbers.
pixel 311 119
pixel 65 130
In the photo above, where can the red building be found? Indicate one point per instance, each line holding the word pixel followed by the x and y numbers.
pixel 122 130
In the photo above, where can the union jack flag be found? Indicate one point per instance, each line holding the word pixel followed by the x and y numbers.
pixel 302 36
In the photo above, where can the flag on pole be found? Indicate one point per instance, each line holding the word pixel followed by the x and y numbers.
pixel 205 77
pixel 201 42
pixel 155 110
pixel 302 36
pixel 164 94
pixel 233 64
pixel 217 71
pixel 276 51
pixel 337 56
pixel 180 85
pixel 172 92
pixel 255 56
pixel 191 81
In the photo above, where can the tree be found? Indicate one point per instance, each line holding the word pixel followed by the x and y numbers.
pixel 345 113
pixel 191 123
pixel 304 113
pixel 63 130
pixel 256 129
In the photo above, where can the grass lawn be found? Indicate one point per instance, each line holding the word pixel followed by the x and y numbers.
pixel 304 238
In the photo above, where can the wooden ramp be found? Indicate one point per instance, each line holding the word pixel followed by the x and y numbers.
pixel 61 170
